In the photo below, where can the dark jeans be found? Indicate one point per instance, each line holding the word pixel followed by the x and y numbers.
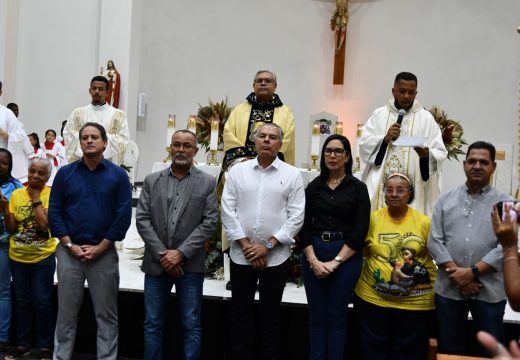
pixel 453 315
pixel 393 334
pixel 243 336
pixel 5 292
pixel 328 300
pixel 33 296
pixel 157 294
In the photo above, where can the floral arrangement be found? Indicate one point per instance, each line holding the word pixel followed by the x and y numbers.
pixel 452 132
pixel 218 110
pixel 214 261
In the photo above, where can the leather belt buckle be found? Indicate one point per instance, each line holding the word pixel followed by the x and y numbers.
pixel 326 236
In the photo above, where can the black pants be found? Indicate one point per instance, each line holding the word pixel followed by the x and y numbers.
pixel 244 339
pixel 393 334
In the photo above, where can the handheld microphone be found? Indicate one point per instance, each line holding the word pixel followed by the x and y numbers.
pixel 401 113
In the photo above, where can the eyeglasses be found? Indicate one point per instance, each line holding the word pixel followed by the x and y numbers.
pixel 337 151
pixel 264 80
pixel 399 192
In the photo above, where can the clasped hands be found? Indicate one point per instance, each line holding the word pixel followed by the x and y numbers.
pixel 172 262
pixel 256 254
pixel 89 252
pixel 323 269
pixel 464 280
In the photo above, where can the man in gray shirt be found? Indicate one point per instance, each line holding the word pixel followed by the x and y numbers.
pixel 469 257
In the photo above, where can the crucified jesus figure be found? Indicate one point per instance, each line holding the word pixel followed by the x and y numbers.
pixel 339 22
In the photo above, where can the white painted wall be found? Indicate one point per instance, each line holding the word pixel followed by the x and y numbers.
pixel 60 46
pixel 56 56
pixel 180 53
pixel 465 53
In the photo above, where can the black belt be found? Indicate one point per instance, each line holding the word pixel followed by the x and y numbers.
pixel 329 235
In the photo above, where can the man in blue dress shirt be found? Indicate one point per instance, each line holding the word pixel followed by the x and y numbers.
pixel 90 208
pixel 468 255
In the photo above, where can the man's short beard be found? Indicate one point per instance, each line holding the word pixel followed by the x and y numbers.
pixel 181 161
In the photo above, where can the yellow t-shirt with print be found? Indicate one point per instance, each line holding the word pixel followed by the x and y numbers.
pixel 398 271
pixel 29 244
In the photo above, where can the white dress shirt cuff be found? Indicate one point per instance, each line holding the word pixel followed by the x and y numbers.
pixel 283 238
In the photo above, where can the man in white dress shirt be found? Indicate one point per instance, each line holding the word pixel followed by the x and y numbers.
pixel 14 139
pixel 262 209
pixel 98 111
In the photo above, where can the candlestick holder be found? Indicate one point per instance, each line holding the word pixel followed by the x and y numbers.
pixel 314 166
pixel 339 128
pixel 213 160
pixel 357 166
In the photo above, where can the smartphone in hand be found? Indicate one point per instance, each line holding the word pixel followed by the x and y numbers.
pixel 512 206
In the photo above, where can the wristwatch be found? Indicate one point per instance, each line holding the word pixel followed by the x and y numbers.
pixel 475 271
pixel 68 245
pixel 338 259
pixel 269 245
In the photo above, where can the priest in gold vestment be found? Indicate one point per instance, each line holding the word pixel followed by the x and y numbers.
pixel 262 106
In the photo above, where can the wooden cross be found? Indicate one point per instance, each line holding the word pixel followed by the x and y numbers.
pixel 338 24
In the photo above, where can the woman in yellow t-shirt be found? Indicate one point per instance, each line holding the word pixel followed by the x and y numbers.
pixel 31 254
pixel 395 292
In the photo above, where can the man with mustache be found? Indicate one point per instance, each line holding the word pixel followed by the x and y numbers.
pixel 98 111
pixel 469 258
pixel 176 214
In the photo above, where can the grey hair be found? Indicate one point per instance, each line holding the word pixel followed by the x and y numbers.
pixel 266 71
pixel 186 131
pixel 280 135
pixel 44 162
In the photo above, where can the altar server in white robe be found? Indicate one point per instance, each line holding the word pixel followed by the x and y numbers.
pixel 113 120
pixel 380 158
pixel 14 138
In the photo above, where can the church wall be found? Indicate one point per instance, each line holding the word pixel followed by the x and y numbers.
pixel 180 53
pixel 465 54
pixel 56 55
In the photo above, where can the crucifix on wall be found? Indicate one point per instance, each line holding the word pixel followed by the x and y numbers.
pixel 338 24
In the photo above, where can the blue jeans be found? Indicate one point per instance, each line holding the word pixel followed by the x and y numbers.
pixel 328 300
pixel 5 292
pixel 157 294
pixel 453 315
pixel 33 295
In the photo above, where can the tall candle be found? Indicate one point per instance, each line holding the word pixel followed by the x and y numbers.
pixel 359 130
pixel 170 129
pixel 315 143
pixel 213 144
pixel 192 125
pixel 339 128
